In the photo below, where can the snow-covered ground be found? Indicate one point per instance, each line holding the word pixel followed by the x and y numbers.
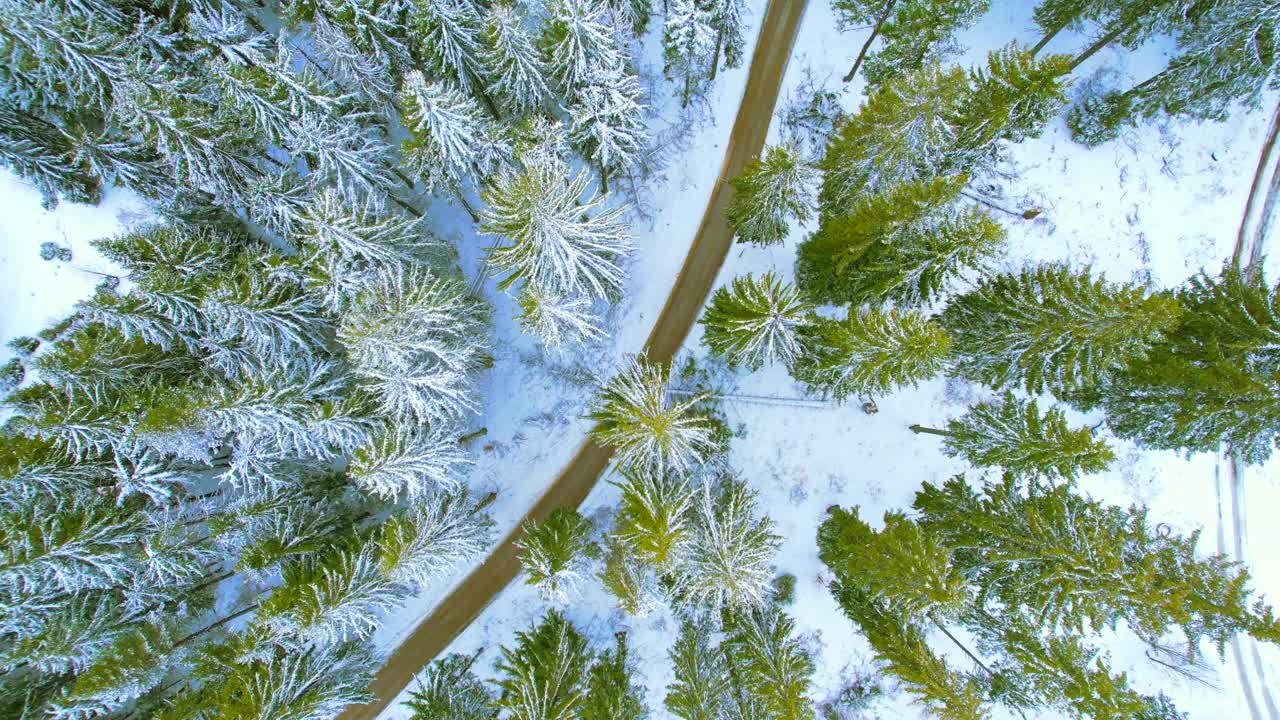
pixel 1160 204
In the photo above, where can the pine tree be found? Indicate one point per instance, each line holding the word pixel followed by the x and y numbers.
pixel 1012 434
pixel 655 516
pixel 607 122
pixel 514 67
pixel 870 352
pixel 916 267
pixel 1050 328
pixel 611 695
pixel 769 193
pixel 633 582
pixel 556 241
pixel 755 321
pixel 688 41
pixel 769 663
pixel 701 685
pixel 856 14
pixel 432 536
pixel 448 34
pixel 1213 380
pixel 636 414
pixel 329 599
pixel 726 18
pixel 447 688
pixel 409 463
pixel 545 674
pixel 1013 98
pixel 919 32
pixel 876 222
pixel 577 41
pixel 452 141
pixel 415 338
pixel 559 322
pixel 555 552
pixel 729 561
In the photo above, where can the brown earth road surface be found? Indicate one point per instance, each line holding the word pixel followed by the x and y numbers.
pixel 710 246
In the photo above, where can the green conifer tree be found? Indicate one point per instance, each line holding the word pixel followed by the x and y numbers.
pixel 768 664
pixel 919 32
pixel 633 582
pixel 611 694
pixel 448 690
pixel 655 516
pixel 870 352
pixel 544 677
pixel 753 321
pixel 1214 381
pixel 1012 434
pixel 769 194
pixel 701 687
pixel 554 551
pixel 1051 328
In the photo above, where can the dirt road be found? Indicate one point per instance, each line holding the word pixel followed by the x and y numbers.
pixel 469 599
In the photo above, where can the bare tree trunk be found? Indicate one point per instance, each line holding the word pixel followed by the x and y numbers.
pixel 918 429
pixel 1093 49
pixel 1045 40
pixel 866 46
pixel 715 59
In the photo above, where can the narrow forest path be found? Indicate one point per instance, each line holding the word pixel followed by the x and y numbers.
pixel 710 247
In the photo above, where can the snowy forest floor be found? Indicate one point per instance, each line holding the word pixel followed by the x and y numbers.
pixel 1158 205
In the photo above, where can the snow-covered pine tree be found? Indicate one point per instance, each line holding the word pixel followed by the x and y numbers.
pixel 846 234
pixel 448 40
pixel 919 32
pixel 1011 99
pixel 870 352
pixel 453 143
pixel 904 652
pixel 726 17
pixel 1012 434
pixel 770 666
pixel 655 516
pixel 415 338
pixel 916 266
pixel 557 241
pixel 409 462
pixel 636 414
pixel 630 580
pixel 754 321
pixel 611 693
pixel 1129 22
pixel 544 677
pixel 607 121
pixel 576 41
pixel 559 322
pixel 689 46
pixel 1052 328
pixel 769 194
pixel 701 687
pixel 431 536
pixel 729 562
pixel 448 688
pixel 329 598
pixel 514 67
pixel 1213 380
pixel 555 553
pixel 1226 57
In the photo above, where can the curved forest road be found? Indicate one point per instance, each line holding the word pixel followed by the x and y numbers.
pixel 693 284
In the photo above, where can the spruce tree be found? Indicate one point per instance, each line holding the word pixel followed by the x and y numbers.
pixel 559 322
pixel 1213 380
pixel 870 353
pixel 554 239
pixel 452 142
pixel 769 664
pixel 655 516
pixel 607 122
pixel 409 463
pixel 700 690
pixel 611 694
pixel 632 581
pixel 637 413
pixel 554 553
pixel 1051 328
pixel 727 18
pixel 729 561
pixel 447 688
pixel 769 193
pixel 868 227
pixel 1012 434
pixel 919 32
pixel 544 677
pixel 514 67
pixel 689 49
pixel 576 41
pixel 753 321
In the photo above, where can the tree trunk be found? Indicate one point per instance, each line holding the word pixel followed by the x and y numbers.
pixel 959 644
pixel 466 205
pixel 218 624
pixel 604 180
pixel 715 59
pixel 688 86
pixel 918 429
pixel 1049 36
pixel 1093 49
pixel 866 46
